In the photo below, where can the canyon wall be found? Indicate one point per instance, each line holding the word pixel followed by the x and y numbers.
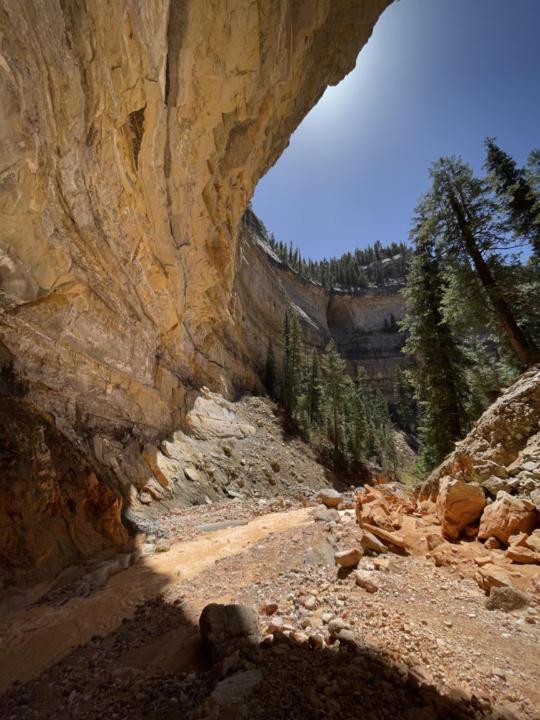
pixel 362 323
pixel 132 135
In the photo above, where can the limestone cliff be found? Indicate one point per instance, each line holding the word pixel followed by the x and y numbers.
pixel 132 135
pixel 359 322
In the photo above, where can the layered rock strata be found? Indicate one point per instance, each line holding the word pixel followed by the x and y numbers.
pixel 360 322
pixel 132 136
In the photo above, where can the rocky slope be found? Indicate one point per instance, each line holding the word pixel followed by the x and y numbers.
pixel 502 452
pixel 132 138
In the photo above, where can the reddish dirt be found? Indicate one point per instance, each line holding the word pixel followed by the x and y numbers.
pixel 424 644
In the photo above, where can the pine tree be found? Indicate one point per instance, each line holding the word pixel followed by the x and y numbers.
pixel 270 371
pixel 286 373
pixel 516 194
pixel 438 369
pixel 315 391
pixel 469 229
pixel 403 400
pixel 333 367
pixel 292 375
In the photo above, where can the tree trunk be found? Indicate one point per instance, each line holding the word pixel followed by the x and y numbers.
pixel 526 351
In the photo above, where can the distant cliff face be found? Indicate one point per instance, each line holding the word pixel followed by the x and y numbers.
pixel 362 324
pixel 132 135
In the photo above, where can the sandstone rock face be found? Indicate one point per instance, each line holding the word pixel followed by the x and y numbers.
pixel 265 289
pixel 458 505
pixel 502 452
pixel 133 139
pixel 55 508
pixel 506 516
pixel 133 135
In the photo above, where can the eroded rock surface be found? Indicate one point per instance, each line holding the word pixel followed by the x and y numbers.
pixel 360 322
pixel 55 508
pixel 132 136
pixel 502 452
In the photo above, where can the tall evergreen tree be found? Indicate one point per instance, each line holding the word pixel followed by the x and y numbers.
pixel 270 371
pixel 333 367
pixel 403 400
pixel 516 194
pixel 286 372
pixel 469 228
pixel 315 390
pixel 438 363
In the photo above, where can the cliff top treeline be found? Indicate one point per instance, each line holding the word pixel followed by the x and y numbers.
pixel 374 266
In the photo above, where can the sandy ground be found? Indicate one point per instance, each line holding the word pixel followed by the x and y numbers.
pixel 132 649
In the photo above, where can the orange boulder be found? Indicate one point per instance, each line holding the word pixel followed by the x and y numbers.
pixel 505 517
pixel 458 504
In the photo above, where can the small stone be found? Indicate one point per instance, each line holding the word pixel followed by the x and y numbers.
pixel 310 602
pixel 268 608
pixel 506 598
pixel 366 580
pixel 346 635
pixel 275 624
pixel 336 625
pixel 348 558
pixel 317 640
pixel 492 544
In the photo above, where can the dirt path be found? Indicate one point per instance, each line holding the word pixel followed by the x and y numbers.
pixel 33 639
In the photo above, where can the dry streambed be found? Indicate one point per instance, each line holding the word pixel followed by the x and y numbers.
pixel 417 643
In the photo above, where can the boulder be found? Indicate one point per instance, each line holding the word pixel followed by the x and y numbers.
pixel 490 576
pixel 519 539
pixel 388 537
pixel 349 557
pixel 505 517
pixel 371 543
pixel 329 497
pixel 533 541
pixel 325 514
pixel 226 627
pixel 535 498
pixel 494 484
pixel 492 544
pixel 192 474
pixel 366 580
pixel 233 690
pixel 506 598
pixel 458 504
pixel 522 555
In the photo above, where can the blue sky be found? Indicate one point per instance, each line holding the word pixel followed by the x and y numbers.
pixel 436 78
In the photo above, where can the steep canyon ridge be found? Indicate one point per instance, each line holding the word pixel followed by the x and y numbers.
pixel 138 297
